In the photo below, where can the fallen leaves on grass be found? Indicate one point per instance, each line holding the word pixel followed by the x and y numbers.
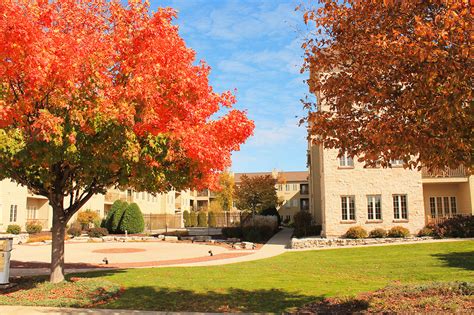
pixel 76 293
pixel 454 297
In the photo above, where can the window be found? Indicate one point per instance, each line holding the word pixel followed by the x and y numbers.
pixel 31 212
pixel 346 161
pixel 304 189
pixel 295 187
pixel 287 187
pixel 13 213
pixel 348 208
pixel 374 207
pixel 295 203
pixel 280 187
pixel 443 206
pixel 304 204
pixel 400 211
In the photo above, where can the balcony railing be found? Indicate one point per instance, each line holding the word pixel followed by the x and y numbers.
pixel 448 172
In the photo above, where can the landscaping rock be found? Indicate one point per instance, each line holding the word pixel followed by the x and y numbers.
pixel 18 238
pixel 108 238
pixel 148 238
pixel 171 238
pixel 161 237
pixel 202 238
pixel 318 242
pixel 248 245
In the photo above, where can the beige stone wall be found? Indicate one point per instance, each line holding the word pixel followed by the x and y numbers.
pixel 12 194
pixel 360 182
pixel 315 183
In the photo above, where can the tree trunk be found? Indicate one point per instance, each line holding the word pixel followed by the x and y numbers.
pixel 57 252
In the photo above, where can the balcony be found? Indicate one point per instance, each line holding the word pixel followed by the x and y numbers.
pixel 447 175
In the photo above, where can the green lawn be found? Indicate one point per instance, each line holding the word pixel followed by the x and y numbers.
pixel 290 280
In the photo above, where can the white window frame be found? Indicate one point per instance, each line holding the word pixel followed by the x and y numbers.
pixel 32 213
pixel 443 206
pixel 346 161
pixel 13 213
pixel 374 213
pixel 348 208
pixel 399 213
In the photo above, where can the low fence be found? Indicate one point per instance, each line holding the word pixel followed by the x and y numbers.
pixel 439 220
pixel 162 221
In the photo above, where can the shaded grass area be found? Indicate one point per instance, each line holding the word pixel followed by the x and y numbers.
pixel 78 292
pixel 288 281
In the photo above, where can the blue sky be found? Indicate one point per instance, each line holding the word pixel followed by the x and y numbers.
pixel 255 47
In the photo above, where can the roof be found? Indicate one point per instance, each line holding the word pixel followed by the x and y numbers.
pixel 298 176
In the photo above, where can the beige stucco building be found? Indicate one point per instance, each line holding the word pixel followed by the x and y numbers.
pixel 292 191
pixel 19 206
pixel 344 194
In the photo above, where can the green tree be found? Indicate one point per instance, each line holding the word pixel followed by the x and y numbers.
pixel 132 220
pixel 202 219
pixel 256 193
pixel 225 195
pixel 193 218
pixel 116 216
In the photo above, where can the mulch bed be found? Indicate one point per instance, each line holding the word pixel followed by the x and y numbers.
pixel 33 265
pixel 439 298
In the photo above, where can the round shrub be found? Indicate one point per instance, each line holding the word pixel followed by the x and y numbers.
pixel 97 232
pixel 426 231
pixel 398 232
pixel 132 220
pixel 272 211
pixel 186 218
pixel 378 233
pixel 74 231
pixel 33 227
pixel 356 232
pixel 202 219
pixel 211 219
pixel 13 229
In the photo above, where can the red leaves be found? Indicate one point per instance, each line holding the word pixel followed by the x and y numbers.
pixel 89 64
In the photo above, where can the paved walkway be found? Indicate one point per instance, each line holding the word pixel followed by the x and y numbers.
pixel 157 254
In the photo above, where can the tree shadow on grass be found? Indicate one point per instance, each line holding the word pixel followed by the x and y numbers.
pixel 464 260
pixel 229 300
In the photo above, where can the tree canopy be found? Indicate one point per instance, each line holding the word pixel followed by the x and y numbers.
pixel 96 94
pixel 256 193
pixel 394 80
pixel 225 192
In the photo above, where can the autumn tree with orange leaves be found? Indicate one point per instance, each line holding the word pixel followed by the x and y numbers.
pixel 96 94
pixel 394 80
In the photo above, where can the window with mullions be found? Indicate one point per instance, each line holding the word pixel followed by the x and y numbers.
pixel 348 208
pixel 400 211
pixel 374 207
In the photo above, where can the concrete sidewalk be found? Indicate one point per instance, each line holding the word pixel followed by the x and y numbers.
pixel 36 310
pixel 277 245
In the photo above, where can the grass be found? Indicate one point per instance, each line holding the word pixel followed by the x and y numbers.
pixel 290 280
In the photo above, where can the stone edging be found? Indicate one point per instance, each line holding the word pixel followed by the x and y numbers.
pixel 317 242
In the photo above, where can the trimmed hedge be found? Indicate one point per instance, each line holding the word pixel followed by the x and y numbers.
pixel 193 218
pixel 74 231
pixel 232 232
pixel 378 233
pixel 97 232
pixel 211 219
pixel 131 220
pixel 303 224
pixel 272 211
pixel 202 219
pixel 114 216
pixel 356 232
pixel 13 229
pixel 33 227
pixel 186 218
pixel 398 232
